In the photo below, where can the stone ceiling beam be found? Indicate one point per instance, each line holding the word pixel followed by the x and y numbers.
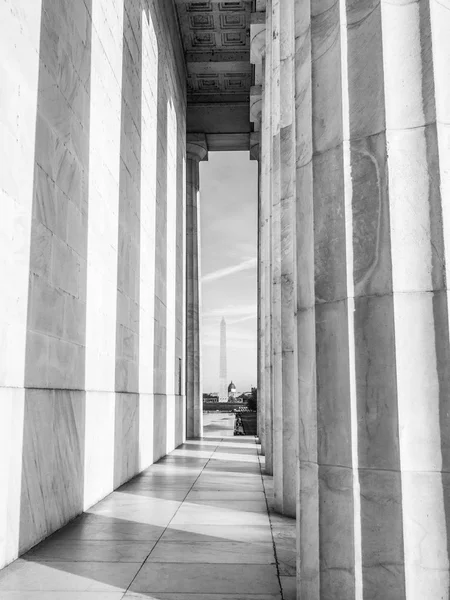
pixel 207 2
pixel 218 56
pixel 217 68
pixel 207 99
pixel 218 118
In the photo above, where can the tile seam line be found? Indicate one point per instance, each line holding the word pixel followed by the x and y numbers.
pixel 270 525
pixel 168 524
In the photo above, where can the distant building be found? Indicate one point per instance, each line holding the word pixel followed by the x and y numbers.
pixel 210 397
pixel 232 392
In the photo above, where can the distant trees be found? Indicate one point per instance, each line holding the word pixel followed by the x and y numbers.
pixel 252 402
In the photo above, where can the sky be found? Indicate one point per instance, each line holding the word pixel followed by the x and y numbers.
pixel 228 213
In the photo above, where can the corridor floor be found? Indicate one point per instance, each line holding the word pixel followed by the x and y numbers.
pixel 194 526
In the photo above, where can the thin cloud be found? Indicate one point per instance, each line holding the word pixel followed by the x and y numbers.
pixel 250 263
pixel 242 319
pixel 234 310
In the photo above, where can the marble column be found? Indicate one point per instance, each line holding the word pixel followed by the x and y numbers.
pixel 255 154
pixel 276 337
pixel 400 306
pixel 308 572
pixel 257 52
pixel 196 151
pixel 372 255
pixel 378 505
pixel 419 295
pixel 267 173
pixel 285 494
pixel 334 441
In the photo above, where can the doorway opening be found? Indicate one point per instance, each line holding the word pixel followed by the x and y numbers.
pixel 228 239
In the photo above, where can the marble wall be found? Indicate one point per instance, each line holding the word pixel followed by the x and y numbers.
pixel 92 320
pixel 371 374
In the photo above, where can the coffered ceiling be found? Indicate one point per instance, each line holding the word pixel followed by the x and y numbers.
pixel 216 39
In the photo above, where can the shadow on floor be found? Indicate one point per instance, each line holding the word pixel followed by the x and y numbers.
pixel 194 526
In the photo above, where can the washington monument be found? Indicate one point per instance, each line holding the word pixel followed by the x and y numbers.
pixel 223 391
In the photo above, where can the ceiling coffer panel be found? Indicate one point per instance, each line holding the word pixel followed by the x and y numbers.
pixel 216 38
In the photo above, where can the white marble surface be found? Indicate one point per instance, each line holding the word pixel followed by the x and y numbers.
pixel 146 425
pixel 287 502
pixel 257 37
pixel 11 441
pixel 275 263
pixel 20 42
pixel 266 189
pixel 20 25
pixel 149 175
pixel 171 233
pixel 100 418
pixel 52 477
pixel 196 151
pixel 178 543
pixel 104 159
pixel 78 445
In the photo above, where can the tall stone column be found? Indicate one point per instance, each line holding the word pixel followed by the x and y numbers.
pixel 419 294
pixel 266 149
pixel 260 54
pixel 276 336
pixel 257 50
pixel 196 151
pixel 396 259
pixel 255 154
pixel 372 360
pixel 308 570
pixel 285 498
pixel 335 571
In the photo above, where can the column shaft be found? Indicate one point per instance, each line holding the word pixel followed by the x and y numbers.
pixel 267 150
pixel 308 570
pixel 194 418
pixel 277 364
pixel 261 312
pixel 420 303
pixel 334 449
pixel 285 499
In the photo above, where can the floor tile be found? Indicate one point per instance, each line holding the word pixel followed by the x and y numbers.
pixel 66 576
pixel 212 515
pixel 47 595
pixel 192 527
pixel 146 515
pixel 244 506
pixel 183 596
pixel 90 551
pixel 241 486
pixel 220 495
pixel 197 533
pixel 213 552
pixel 160 494
pixel 163 577
pixel 111 531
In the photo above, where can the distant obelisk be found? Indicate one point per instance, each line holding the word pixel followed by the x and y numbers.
pixel 223 389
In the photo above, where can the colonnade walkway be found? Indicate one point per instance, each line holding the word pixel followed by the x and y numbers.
pixel 197 525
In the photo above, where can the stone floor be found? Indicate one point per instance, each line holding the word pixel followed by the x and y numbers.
pixel 195 526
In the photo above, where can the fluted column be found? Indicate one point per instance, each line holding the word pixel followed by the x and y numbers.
pixel 255 154
pixel 308 570
pixel 267 173
pixel 334 441
pixel 286 448
pixel 196 150
pixel 257 57
pixel 277 358
pixel 378 504
pixel 420 303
